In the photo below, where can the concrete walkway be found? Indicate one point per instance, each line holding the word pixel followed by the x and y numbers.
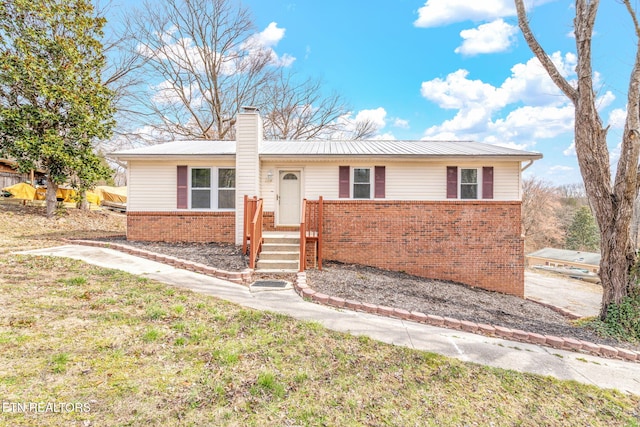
pixel 605 373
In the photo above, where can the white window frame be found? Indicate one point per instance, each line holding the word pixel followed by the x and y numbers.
pixel 371 182
pixel 213 188
pixel 478 182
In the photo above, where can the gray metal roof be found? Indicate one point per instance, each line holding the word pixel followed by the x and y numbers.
pixel 330 148
pixel 590 258
pixel 388 148
pixel 182 148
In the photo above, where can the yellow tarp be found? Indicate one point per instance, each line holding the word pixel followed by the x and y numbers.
pixel 22 190
pixel 112 194
pixel 94 198
pixel 28 192
pixel 66 194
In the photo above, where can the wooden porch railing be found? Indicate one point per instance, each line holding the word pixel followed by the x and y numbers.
pixel 252 228
pixel 311 230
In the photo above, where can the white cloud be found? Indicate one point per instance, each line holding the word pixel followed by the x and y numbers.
pixel 570 151
pixel 270 36
pixel 266 41
pixel 617 118
pixel 530 83
pixel 167 93
pixel 538 110
pixel 536 122
pixel 376 116
pixel 496 36
pixel 436 13
pixel 401 123
pixel 387 136
pixel 348 124
pixel 605 100
pixel 457 92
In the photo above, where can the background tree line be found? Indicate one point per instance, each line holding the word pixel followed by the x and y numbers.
pixel 557 217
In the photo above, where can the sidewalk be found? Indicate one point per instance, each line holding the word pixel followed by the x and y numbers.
pixel 523 357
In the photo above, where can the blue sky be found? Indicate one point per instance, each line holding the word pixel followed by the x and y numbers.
pixel 453 69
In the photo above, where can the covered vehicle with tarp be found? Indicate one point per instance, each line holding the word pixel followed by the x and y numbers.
pixel 26 191
pixel 22 191
pixel 113 197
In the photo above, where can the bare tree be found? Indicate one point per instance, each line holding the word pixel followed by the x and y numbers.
pixel 203 61
pixel 611 200
pixel 298 110
pixel 206 61
pixel 573 191
pixel 540 224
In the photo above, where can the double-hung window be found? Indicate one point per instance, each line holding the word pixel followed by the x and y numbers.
pixel 468 183
pixel 358 182
pixel 361 183
pixel 213 188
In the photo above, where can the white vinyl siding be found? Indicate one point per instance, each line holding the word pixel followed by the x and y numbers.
pixel 152 185
pixel 404 180
pixel 506 181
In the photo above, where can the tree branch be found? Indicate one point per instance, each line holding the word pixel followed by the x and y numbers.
pixel 542 56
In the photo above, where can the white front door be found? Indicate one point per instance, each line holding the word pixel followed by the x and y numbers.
pixel 289 198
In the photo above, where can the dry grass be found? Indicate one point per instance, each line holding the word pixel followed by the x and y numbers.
pixel 27 227
pixel 138 352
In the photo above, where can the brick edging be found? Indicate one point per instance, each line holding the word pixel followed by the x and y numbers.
pixel 305 291
pixel 560 343
pixel 563 311
pixel 243 277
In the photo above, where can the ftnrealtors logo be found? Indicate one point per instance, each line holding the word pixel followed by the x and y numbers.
pixel 44 407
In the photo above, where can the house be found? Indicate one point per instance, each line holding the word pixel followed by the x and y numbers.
pixel 562 258
pixel 440 209
pixel 9 174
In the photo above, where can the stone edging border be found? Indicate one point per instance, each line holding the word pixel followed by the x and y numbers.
pixel 560 343
pixel 305 291
pixel 243 277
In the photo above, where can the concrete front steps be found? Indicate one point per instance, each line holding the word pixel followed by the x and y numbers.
pixel 280 253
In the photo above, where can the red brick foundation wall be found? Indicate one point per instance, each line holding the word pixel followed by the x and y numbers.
pixel 476 243
pixel 268 223
pixel 181 226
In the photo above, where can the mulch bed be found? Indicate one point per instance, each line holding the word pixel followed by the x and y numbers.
pixel 400 290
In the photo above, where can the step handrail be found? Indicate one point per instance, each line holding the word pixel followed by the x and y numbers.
pixel 311 230
pixel 303 237
pixel 255 232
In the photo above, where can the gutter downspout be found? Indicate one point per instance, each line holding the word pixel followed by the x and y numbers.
pixel 527 166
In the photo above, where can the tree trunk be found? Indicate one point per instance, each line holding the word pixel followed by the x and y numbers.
pixel 618 257
pixel 612 202
pixel 83 204
pixel 51 198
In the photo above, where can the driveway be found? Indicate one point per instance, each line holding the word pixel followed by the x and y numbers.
pixel 577 296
